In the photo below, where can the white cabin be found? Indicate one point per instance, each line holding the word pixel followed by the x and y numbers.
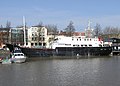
pixel 75 41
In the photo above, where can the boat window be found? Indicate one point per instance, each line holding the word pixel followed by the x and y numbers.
pixel 55 39
pixel 87 39
pixel 77 39
pixel 100 45
pixel 21 54
pixel 16 55
pixel 84 39
pixel 73 45
pixel 80 39
pixel 85 45
pixel 61 44
pixel 90 45
pixel 17 51
pixel 68 44
pixel 72 39
pixel 90 39
pixel 81 45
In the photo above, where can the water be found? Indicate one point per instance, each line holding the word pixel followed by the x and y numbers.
pixel 103 71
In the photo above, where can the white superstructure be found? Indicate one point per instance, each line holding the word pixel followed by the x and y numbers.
pixel 75 41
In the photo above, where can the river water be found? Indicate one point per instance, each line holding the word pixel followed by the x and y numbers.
pixel 100 71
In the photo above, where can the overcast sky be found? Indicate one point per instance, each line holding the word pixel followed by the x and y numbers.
pixel 61 12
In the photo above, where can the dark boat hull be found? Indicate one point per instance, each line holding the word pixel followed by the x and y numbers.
pixel 67 51
pixel 63 51
pixel 74 51
pixel 37 52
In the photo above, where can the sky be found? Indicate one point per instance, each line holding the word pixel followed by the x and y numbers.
pixel 61 12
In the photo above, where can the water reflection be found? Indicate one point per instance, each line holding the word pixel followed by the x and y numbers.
pixel 67 72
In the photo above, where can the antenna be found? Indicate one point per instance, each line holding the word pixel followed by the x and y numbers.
pixel 89 24
pixel 24 27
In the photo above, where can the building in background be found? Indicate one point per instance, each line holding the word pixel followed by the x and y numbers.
pixel 4 36
pixel 17 36
pixel 37 37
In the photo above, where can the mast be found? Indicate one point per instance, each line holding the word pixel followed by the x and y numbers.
pixel 88 30
pixel 24 27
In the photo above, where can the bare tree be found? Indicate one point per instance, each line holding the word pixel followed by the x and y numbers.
pixel 70 29
pixel 97 30
pixel 49 28
pixel 111 30
pixel 8 24
pixel 40 24
pixel 1 26
pixel 55 30
pixel 115 30
pixel 52 29
pixel 106 30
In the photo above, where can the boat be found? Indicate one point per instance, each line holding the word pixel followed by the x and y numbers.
pixel 17 56
pixel 79 46
pixel 83 45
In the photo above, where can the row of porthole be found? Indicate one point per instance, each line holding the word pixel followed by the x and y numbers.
pixel 77 45
pixel 82 45
pixel 85 40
